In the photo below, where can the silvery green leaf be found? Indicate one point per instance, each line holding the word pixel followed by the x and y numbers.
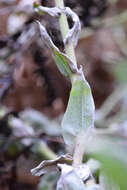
pixel 39 121
pixel 20 129
pixel 111 152
pixel 50 165
pixel 94 165
pixel 95 187
pixel 79 116
pixel 69 179
pixel 107 183
pixel 63 62
pixel 48 181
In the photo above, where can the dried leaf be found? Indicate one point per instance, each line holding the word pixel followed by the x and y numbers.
pixel 50 165
pixel 54 12
pixel 73 33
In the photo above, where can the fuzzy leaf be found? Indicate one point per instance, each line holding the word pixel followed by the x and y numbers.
pixel 69 179
pixel 111 152
pixel 39 121
pixel 63 62
pixel 50 165
pixel 106 183
pixel 83 172
pixel 48 181
pixel 95 187
pixel 79 116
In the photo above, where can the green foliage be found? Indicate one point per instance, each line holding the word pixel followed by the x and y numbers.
pixel 107 183
pixel 120 72
pixel 79 116
pixel 62 64
pixel 35 5
pixel 78 121
pixel 111 152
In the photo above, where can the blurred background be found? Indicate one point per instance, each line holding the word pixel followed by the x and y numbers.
pixel 34 94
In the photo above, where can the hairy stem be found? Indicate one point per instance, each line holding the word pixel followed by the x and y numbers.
pixel 69 48
pixel 64 27
pixel 79 150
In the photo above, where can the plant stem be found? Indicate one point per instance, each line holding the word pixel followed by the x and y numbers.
pixel 79 150
pixel 64 27
pixel 69 49
pixel 46 152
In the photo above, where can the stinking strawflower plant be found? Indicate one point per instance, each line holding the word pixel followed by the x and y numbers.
pixel 78 119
